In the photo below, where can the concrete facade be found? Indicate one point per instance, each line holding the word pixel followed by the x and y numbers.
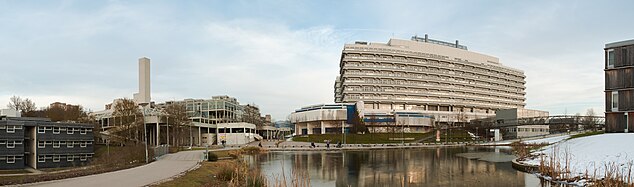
pixel 144 82
pixel 237 133
pixel 438 78
pixel 510 116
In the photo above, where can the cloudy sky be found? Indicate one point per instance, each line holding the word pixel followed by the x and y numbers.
pixel 282 55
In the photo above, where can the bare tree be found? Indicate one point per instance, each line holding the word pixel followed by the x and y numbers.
pixel 15 103
pixel 25 106
pixel 589 122
pixel 177 115
pixel 28 107
pixel 128 117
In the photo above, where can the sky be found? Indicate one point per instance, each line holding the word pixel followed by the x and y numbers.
pixel 283 55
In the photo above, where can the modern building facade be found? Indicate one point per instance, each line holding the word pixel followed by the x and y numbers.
pixel 619 86
pixel 437 78
pixel 340 117
pixel 40 143
pixel 509 117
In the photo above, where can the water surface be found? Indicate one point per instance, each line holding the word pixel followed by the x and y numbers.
pixel 457 166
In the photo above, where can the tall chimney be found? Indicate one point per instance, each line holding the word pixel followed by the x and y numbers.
pixel 144 81
pixel 456 43
pixel 426 37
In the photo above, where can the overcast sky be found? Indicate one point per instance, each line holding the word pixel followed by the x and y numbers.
pixel 282 55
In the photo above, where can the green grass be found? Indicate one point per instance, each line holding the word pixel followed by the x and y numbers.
pixel 374 138
pixel 591 133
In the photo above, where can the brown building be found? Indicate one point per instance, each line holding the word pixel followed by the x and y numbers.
pixel 619 86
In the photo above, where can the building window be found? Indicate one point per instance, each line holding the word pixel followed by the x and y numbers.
pixel 610 58
pixel 41 144
pixel 10 159
pixel 70 144
pixel 41 130
pixel 82 131
pixel 615 101
pixel 10 144
pixel 56 144
pixel 82 157
pixel 82 144
pixel 41 158
pixel 70 130
pixel 10 129
pixel 56 158
pixel 70 158
pixel 55 130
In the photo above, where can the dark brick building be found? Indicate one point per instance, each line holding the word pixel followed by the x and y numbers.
pixel 619 86
pixel 40 143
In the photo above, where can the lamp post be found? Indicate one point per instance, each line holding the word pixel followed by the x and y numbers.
pixel 144 134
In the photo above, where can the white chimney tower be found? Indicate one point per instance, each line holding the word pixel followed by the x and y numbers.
pixel 144 82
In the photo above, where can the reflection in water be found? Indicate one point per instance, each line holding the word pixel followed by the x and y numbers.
pixel 395 167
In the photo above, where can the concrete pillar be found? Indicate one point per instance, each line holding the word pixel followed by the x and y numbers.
pixel 323 128
pixel 309 128
pixel 199 137
pixel 343 126
pixel 158 131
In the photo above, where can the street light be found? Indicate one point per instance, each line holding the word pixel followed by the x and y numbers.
pixel 144 134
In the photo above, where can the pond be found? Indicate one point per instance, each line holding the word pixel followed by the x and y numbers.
pixel 443 166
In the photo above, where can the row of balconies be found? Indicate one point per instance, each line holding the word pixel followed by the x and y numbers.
pixel 445 101
pixel 452 96
pixel 418 55
pixel 429 68
pixel 436 68
pixel 426 93
pixel 408 57
pixel 440 75
pixel 446 88
pixel 428 79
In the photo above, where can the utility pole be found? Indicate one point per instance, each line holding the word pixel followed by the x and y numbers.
pixel 144 135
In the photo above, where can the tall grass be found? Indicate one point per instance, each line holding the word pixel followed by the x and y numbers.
pixel 558 168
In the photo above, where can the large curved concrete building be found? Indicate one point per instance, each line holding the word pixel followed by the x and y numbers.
pixel 438 78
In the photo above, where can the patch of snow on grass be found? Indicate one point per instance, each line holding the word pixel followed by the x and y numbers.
pixel 592 154
pixel 550 140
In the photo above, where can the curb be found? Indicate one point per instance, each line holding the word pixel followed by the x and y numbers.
pixel 524 167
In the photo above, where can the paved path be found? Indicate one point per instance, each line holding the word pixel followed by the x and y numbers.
pixel 168 166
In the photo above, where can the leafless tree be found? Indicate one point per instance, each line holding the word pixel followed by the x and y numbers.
pixel 129 118
pixel 589 122
pixel 25 106
pixel 178 119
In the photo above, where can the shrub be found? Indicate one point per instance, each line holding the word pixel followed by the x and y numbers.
pixel 212 157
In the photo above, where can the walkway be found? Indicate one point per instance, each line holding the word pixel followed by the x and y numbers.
pixel 168 166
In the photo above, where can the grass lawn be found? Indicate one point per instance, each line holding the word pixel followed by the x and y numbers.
pixel 206 175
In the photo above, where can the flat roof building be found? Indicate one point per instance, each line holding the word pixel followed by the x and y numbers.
pixel 40 143
pixel 619 86
pixel 438 78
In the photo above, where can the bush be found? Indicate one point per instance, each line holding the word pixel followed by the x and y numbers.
pixel 212 157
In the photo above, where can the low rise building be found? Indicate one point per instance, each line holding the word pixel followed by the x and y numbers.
pixel 40 143
pixel 509 117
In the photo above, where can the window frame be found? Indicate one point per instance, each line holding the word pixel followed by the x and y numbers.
pixel 615 101
pixel 10 144
pixel 41 158
pixel 608 58
pixel 12 160
pixel 56 130
pixel 57 144
pixel 70 144
pixel 56 158
pixel 70 158
pixel 41 144
pixel 41 130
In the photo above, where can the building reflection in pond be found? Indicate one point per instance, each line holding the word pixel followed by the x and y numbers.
pixel 393 167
